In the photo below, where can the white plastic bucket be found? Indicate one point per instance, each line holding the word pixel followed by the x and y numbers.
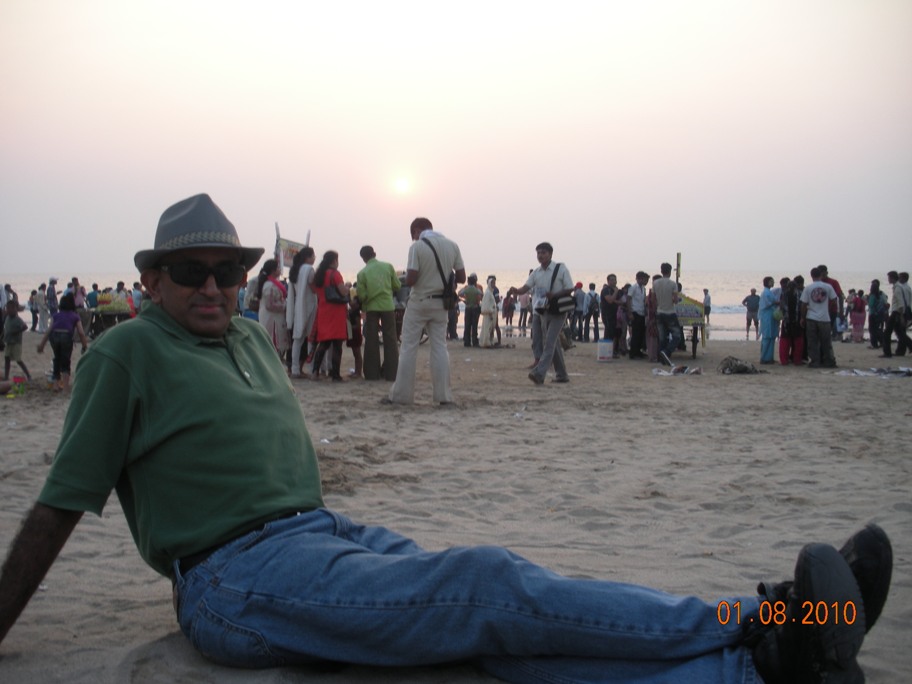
pixel 605 350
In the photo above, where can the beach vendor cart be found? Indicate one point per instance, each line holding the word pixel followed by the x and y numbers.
pixel 690 316
pixel 110 311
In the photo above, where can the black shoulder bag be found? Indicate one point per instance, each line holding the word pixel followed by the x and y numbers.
pixel 558 305
pixel 333 294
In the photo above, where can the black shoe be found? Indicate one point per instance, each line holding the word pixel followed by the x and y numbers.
pixel 870 557
pixel 664 359
pixel 824 650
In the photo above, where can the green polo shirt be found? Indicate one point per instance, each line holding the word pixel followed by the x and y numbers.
pixel 377 282
pixel 202 439
pixel 471 295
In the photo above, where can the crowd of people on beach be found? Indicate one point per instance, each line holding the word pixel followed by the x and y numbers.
pixel 305 318
pixel 314 313
pixel 61 318
pixel 807 319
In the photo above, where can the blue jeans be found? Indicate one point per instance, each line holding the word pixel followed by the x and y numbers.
pixel 668 325
pixel 318 587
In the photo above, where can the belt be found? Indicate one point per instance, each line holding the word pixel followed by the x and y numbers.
pixel 187 563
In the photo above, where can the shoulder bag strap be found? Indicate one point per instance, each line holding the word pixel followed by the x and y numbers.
pixel 437 259
pixel 554 275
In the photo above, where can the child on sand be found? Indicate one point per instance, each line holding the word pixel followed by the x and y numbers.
pixel 64 326
pixel 13 327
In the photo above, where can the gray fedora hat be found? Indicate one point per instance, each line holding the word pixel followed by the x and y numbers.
pixel 195 222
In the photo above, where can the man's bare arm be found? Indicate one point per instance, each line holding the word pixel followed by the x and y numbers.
pixel 34 549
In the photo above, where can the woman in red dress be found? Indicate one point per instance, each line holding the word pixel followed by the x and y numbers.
pixel 332 318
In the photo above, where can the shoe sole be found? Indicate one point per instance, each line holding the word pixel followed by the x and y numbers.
pixel 827 647
pixel 870 557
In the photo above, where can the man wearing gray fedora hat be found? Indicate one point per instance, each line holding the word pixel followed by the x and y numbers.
pixel 165 411
pixel 195 222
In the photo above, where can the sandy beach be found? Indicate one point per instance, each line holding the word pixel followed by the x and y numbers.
pixel 700 484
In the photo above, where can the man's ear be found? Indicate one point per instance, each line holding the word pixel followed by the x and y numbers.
pixel 151 280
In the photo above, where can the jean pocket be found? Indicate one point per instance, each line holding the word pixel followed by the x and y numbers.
pixel 226 643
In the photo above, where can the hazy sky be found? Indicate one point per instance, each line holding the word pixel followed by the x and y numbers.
pixel 770 134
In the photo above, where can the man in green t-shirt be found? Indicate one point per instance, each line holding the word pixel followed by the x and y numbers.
pixel 377 283
pixel 187 413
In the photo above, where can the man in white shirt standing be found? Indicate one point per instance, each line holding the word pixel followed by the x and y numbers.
pixel 815 319
pixel 425 309
pixel 549 281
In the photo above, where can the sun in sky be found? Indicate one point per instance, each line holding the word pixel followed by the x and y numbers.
pixel 402 185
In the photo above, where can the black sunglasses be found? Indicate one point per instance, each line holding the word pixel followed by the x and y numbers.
pixel 195 274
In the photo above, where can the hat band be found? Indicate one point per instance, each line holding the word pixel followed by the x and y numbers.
pixel 206 237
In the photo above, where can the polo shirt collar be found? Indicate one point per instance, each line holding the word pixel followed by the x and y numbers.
pixel 157 316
